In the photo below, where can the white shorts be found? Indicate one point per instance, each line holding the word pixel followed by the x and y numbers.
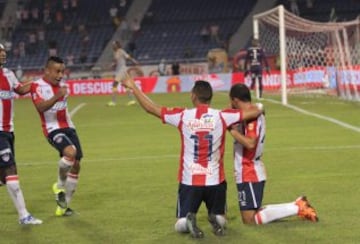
pixel 121 74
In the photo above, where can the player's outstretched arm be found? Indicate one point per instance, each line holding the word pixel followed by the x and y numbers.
pixel 253 112
pixel 145 102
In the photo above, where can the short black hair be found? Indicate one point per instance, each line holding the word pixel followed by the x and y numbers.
pixel 241 92
pixel 203 91
pixel 54 59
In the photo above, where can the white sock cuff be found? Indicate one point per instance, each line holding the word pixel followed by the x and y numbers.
pixel 64 162
pixel 180 225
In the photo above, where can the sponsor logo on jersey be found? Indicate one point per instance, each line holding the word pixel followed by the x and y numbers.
pixel 205 123
pixel 197 169
pixel 7 95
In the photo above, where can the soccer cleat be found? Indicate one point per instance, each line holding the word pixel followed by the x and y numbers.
pixel 306 211
pixel 59 196
pixel 63 212
pixel 217 228
pixel 132 102
pixel 30 220
pixel 195 231
pixel 111 104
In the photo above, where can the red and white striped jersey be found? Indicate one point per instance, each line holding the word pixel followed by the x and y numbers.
pixel 247 163
pixel 202 130
pixel 8 86
pixel 57 117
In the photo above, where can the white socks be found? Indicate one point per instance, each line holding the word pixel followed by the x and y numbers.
pixel 13 187
pixel 275 211
pixel 70 186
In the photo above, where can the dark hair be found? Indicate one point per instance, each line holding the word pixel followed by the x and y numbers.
pixel 54 59
pixel 241 92
pixel 203 91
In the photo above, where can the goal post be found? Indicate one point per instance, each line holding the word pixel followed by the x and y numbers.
pixel 313 56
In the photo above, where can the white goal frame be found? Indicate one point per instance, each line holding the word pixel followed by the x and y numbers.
pixel 284 20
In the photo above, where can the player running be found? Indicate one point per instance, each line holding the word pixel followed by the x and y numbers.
pixel 9 85
pixel 250 175
pixel 120 57
pixel 49 95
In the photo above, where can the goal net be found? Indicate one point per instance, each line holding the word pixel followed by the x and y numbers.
pixel 313 56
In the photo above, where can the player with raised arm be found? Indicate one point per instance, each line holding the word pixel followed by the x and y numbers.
pixel 201 173
pixel 254 61
pixel 49 95
pixel 250 175
pixel 120 57
pixel 9 85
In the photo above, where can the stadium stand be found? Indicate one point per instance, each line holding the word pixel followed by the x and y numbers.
pixel 173 31
pixel 89 28
pixel 321 10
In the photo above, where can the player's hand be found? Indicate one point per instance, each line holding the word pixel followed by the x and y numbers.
pixel 63 91
pixel 260 106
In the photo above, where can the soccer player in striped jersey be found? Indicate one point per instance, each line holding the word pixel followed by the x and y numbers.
pixel 201 173
pixel 49 95
pixel 250 172
pixel 9 85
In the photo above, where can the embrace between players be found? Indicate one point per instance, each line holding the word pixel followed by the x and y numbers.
pixel 201 171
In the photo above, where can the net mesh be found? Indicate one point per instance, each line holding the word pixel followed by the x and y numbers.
pixel 318 55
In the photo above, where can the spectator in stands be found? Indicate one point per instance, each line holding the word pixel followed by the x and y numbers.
pixel 74 7
pixel 52 47
pixel 175 68
pixel 70 59
pixel 22 49
pixel 131 47
pixel 122 3
pixel 205 34
pixel 113 13
pixel 19 72
pixel 33 43
pixel 162 69
pixel 83 56
pixel 214 32
pixel 135 27
pixel 294 8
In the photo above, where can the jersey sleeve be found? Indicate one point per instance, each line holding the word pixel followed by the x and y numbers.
pixel 171 116
pixel 13 80
pixel 231 116
pixel 251 130
pixel 36 93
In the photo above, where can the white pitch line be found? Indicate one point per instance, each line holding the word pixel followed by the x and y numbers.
pixel 77 108
pixel 176 156
pixel 319 116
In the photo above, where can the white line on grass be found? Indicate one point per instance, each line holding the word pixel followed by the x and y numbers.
pixel 153 157
pixel 319 116
pixel 77 108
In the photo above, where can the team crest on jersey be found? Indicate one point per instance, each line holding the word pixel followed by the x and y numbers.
pixel 5 157
pixel 59 139
pixel 205 123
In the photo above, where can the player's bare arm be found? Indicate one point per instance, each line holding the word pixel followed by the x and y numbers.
pixel 252 113
pixel 146 103
pixel 24 88
pixel 47 104
pixel 246 141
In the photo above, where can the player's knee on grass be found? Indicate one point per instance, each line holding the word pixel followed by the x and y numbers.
pixel 180 226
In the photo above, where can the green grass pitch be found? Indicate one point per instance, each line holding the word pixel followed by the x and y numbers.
pixel 128 186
